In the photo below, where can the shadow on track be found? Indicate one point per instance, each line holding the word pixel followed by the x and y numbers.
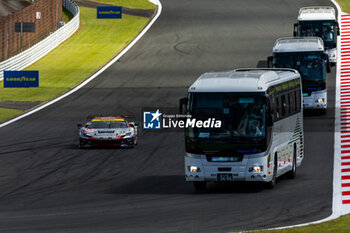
pixel 175 184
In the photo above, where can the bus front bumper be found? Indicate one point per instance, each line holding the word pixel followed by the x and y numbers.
pixel 317 100
pixel 247 170
pixel 332 54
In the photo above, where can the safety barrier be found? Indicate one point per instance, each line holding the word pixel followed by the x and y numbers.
pixel 37 51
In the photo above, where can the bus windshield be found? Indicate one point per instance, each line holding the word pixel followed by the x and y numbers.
pixel 326 29
pixel 310 65
pixel 242 116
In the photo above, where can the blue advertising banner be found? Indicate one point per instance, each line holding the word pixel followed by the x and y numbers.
pixel 21 78
pixel 109 12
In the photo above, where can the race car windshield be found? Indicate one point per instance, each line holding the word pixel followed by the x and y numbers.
pixel 107 124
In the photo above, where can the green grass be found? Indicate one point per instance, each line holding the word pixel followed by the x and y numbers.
pixel 7 114
pixel 137 4
pixel 345 5
pixel 84 53
pixel 340 225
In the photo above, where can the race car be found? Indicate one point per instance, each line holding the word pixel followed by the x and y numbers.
pixel 108 131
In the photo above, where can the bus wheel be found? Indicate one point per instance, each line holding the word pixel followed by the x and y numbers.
pixel 293 173
pixel 200 185
pixel 272 183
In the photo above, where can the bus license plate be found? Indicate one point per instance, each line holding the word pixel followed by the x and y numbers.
pixel 224 177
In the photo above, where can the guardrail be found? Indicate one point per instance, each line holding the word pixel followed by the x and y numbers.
pixel 40 49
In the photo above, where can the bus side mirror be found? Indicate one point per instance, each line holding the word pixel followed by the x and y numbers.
pixel 328 64
pixel 269 62
pixel 269 120
pixel 338 31
pixel 295 30
pixel 183 105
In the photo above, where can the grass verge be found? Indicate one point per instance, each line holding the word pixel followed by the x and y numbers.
pixel 339 225
pixel 345 5
pixel 96 42
pixel 7 114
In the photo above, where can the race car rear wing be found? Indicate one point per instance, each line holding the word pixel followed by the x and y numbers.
pixel 130 118
pixel 121 115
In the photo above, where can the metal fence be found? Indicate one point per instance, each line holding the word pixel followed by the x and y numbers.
pixel 37 51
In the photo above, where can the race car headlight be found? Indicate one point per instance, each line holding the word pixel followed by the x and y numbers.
pixel 128 134
pixel 319 101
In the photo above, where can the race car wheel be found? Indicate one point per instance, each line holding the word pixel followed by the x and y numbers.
pixel 81 144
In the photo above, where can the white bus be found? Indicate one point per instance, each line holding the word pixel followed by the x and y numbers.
pixel 308 57
pixel 261 135
pixel 319 21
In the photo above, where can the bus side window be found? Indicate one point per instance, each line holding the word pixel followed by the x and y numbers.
pixel 278 108
pixel 284 105
pixel 289 110
pixel 273 107
pixel 292 109
pixel 297 100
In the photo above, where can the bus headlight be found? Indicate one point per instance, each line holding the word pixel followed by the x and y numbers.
pixel 320 100
pixel 256 168
pixel 194 169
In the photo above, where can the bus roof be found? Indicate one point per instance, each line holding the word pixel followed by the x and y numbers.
pixel 242 80
pixel 298 44
pixel 316 13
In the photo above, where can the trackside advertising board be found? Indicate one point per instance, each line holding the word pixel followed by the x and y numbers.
pixel 109 12
pixel 21 79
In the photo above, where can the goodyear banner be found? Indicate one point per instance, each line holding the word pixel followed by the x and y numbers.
pixel 109 12
pixel 21 78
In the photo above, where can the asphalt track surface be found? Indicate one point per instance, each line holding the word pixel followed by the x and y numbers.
pixel 47 184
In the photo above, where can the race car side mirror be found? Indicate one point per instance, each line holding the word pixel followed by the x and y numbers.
pixel 79 126
pixel 133 124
